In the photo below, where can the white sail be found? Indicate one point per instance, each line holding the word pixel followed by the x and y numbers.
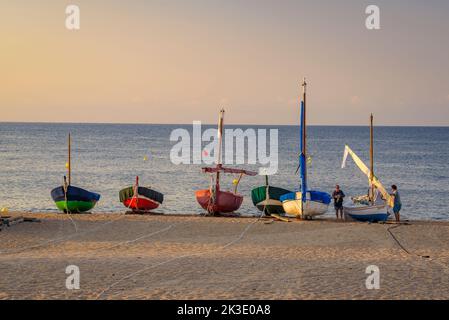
pixel 375 182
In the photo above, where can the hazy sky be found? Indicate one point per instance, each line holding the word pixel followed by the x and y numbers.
pixel 173 61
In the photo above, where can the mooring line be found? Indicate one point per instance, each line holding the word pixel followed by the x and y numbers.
pixel 73 222
pixel 147 235
pixel 426 258
pixel 51 241
pixel 396 239
pixel 242 234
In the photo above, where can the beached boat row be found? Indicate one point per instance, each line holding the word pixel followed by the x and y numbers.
pixel 71 199
pixel 304 203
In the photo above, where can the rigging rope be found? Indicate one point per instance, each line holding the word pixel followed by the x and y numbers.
pixel 212 195
pixel 65 187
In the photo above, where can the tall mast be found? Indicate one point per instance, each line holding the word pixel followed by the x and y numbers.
pixel 220 138
pixel 303 147
pixel 371 156
pixel 69 166
pixel 220 135
pixel 304 128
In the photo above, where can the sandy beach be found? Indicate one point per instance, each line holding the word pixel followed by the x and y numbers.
pixel 171 257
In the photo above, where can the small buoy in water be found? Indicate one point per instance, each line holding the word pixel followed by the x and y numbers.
pixel 145 158
pixel 235 181
pixel 4 210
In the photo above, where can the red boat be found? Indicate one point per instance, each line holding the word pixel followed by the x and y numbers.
pixel 140 199
pixel 225 202
pixel 213 200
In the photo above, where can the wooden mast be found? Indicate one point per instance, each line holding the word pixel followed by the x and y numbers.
pixel 220 137
pixel 69 163
pixel 304 128
pixel 371 155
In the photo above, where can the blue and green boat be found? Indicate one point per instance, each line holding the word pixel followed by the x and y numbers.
pixel 71 199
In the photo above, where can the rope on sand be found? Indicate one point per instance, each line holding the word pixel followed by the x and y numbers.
pixel 442 265
pixel 136 239
pixel 63 238
pixel 242 234
pixel 396 239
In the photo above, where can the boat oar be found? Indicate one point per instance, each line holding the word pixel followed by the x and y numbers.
pixel 280 218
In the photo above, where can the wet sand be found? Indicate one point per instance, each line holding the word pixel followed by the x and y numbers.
pixel 173 257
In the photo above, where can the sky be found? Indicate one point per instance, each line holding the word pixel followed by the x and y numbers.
pixel 176 61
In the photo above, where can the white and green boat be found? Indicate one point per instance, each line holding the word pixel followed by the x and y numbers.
pixel 267 198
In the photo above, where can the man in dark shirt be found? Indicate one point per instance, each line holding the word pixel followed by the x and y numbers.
pixel 338 196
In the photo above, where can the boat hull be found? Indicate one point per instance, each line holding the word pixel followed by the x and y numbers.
pixel 225 202
pixel 310 208
pixel 76 200
pixel 375 213
pixel 316 203
pixel 146 199
pixel 140 204
pixel 75 206
pixel 272 205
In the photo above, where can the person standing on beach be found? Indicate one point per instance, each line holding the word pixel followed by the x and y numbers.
pixel 397 202
pixel 338 196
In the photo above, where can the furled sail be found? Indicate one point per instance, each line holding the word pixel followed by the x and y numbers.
pixel 302 156
pixel 376 183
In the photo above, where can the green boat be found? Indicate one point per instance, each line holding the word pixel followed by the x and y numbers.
pixel 268 202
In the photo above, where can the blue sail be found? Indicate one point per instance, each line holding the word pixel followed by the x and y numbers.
pixel 302 156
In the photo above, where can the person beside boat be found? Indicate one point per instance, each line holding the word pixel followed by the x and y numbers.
pixel 338 195
pixel 397 204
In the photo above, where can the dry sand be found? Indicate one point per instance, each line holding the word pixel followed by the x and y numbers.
pixel 172 257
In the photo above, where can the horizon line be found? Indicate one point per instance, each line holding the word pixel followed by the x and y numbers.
pixel 214 124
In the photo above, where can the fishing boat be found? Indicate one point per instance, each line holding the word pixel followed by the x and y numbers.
pixel 140 199
pixel 372 207
pixel 214 200
pixel 268 198
pixel 71 199
pixel 305 203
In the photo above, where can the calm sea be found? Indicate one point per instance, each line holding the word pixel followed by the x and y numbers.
pixel 107 157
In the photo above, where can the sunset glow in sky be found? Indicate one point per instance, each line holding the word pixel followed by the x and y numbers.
pixel 170 61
